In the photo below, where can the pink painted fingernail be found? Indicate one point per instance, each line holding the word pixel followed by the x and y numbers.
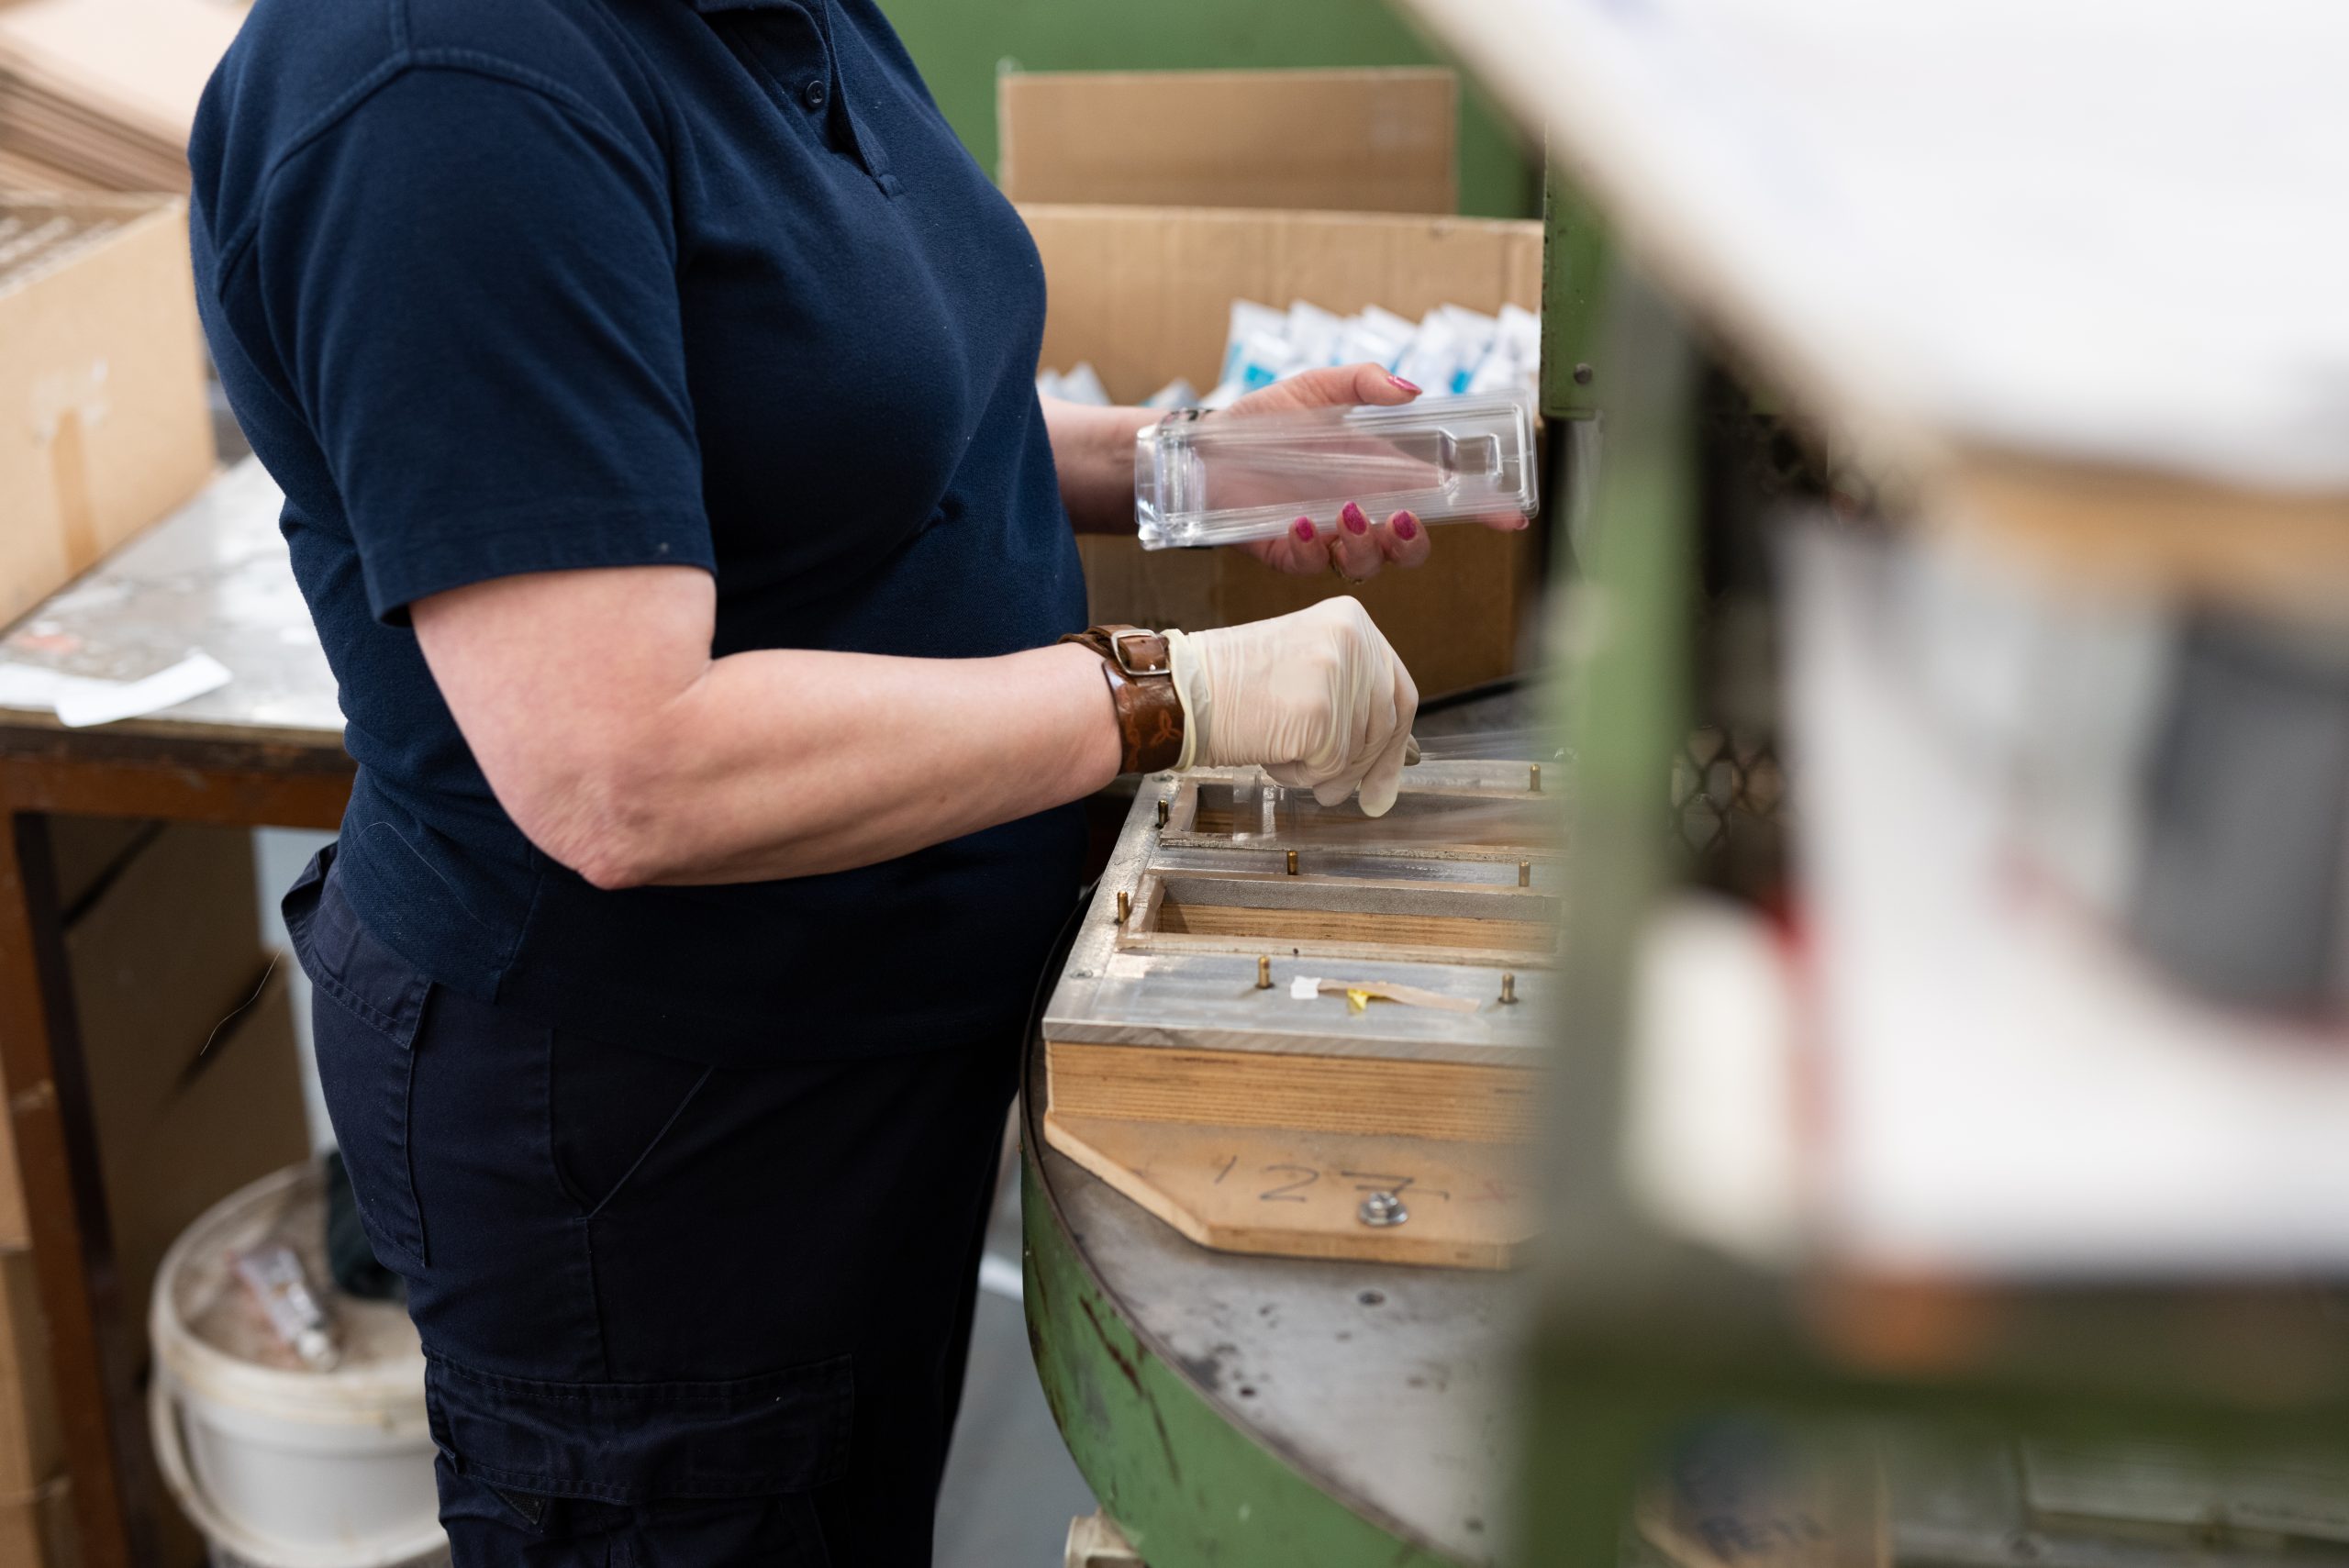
pixel 1406 385
pixel 1303 529
pixel 1352 517
pixel 1407 526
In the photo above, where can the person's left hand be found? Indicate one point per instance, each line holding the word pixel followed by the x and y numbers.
pixel 1362 545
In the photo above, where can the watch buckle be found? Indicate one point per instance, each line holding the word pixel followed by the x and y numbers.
pixel 1118 651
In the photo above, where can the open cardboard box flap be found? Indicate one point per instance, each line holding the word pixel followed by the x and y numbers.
pixel 1380 139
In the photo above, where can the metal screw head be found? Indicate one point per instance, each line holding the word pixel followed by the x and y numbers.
pixel 1381 1210
pixel 1533 779
pixel 1124 904
pixel 1161 811
pixel 1584 375
pixel 1292 862
pixel 1525 873
pixel 1263 973
pixel 1508 987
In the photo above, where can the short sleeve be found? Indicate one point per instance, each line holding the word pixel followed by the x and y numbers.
pixel 472 285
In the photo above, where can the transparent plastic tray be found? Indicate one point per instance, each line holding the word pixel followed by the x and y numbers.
pixel 1222 479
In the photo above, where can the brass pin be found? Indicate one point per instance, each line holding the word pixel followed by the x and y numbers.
pixel 1525 873
pixel 1292 862
pixel 1124 904
pixel 1161 811
pixel 1263 973
pixel 1534 781
pixel 1508 987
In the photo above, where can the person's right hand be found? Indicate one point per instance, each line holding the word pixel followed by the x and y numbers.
pixel 1317 698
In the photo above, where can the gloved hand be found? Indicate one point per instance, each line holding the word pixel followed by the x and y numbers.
pixel 1318 698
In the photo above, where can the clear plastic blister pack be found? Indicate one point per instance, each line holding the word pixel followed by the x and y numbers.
pixel 1225 480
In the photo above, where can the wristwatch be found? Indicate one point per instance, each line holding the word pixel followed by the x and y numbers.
pixel 1142 689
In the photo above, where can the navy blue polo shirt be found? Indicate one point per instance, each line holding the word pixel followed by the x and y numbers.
pixel 502 287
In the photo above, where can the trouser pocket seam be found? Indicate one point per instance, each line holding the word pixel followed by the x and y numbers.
pixel 658 1139
pixel 589 1206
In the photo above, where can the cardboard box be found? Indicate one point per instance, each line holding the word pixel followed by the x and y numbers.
pixel 1145 294
pixel 194 1075
pixel 195 1078
pixel 193 1082
pixel 237 1118
pixel 103 422
pixel 37 1530
pixel 31 1448
pixel 87 851
pixel 1344 140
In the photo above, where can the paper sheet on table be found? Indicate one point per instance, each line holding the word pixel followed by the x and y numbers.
pixel 80 701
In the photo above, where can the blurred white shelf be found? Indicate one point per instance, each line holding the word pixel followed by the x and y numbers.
pixel 2020 253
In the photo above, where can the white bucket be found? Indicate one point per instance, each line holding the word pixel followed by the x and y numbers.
pixel 280 1466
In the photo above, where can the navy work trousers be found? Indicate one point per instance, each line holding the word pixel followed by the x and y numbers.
pixel 673 1314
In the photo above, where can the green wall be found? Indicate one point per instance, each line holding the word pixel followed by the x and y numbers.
pixel 960 43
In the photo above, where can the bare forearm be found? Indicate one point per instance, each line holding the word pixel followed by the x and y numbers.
pixel 791 762
pixel 1093 449
pixel 623 751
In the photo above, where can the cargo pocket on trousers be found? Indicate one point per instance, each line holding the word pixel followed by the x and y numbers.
pixel 645 1443
pixel 366 1039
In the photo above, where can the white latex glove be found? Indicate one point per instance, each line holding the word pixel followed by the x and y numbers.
pixel 1317 698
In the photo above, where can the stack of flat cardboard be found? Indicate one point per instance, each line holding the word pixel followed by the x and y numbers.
pixel 98 95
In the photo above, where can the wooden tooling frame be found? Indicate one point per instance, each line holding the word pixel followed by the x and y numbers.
pixel 1184 1068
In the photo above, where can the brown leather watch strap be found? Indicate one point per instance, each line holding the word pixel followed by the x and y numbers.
pixel 1140 673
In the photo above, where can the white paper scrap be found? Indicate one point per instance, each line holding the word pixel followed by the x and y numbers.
pixel 30 686
pixel 1304 988
pixel 192 677
pixel 83 700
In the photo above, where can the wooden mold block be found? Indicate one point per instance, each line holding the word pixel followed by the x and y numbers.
pixel 1226 1045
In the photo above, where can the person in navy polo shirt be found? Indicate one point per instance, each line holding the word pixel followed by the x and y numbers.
pixel 650 382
